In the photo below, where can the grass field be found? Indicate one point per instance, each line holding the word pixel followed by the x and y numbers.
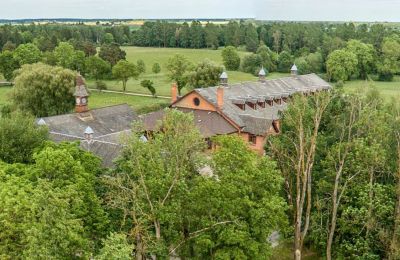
pixel 161 55
pixel 387 89
pixel 96 100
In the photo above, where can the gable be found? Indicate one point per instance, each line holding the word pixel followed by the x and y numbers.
pixel 194 101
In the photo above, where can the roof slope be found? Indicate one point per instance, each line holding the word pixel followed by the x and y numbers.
pixel 210 123
pixel 108 125
pixel 261 91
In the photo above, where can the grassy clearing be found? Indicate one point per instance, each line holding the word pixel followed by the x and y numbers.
pixel 97 100
pixel 161 55
pixel 387 89
pixel 139 104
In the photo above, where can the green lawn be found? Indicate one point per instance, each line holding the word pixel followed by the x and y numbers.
pixel 161 55
pixel 387 89
pixel 139 104
pixel 96 100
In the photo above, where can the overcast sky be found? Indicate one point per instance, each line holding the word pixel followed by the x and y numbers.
pixel 305 10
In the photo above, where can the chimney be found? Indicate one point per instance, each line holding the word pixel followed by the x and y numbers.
pixel 174 93
pixel 261 75
pixel 223 79
pixel 220 97
pixel 81 95
pixel 293 70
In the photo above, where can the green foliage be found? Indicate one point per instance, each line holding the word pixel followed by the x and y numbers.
pixel 252 41
pixel 205 74
pixel 67 57
pixel 148 84
pixel 44 90
pixel 124 70
pixel 230 58
pixel 97 68
pixel 27 54
pixel 111 53
pixel 141 66
pixel 108 38
pixel 9 46
pixel 115 247
pixel 269 58
pixel 365 54
pixel 229 210
pixel 252 63
pixel 341 65
pixel 50 209
pixel 178 66
pixel 156 68
pixel 8 64
pixel 19 137
pixel 101 85
pixel 390 59
pixel 285 61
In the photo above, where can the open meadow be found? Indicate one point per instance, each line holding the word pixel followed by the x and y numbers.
pixel 161 55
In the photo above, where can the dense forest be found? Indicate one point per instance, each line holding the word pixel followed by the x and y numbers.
pixel 343 50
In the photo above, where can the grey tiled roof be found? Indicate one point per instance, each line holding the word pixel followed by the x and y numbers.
pixel 256 91
pixel 209 123
pixel 108 125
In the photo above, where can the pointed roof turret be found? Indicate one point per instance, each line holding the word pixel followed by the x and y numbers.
pixel 224 75
pixel 41 122
pixel 262 72
pixel 89 131
pixel 293 70
pixel 224 79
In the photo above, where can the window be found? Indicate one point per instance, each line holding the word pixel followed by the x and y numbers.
pixel 261 104
pixel 252 139
pixel 241 106
pixel 196 101
pixel 252 105
pixel 270 103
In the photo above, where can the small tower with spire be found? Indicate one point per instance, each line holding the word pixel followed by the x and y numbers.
pixel 261 75
pixel 223 79
pixel 81 95
pixel 293 70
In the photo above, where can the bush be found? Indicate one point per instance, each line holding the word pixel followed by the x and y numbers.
pixel 252 64
pixel 101 85
pixel 148 84
pixel 156 68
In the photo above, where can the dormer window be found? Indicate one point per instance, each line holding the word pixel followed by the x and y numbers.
pixel 252 105
pixel 241 106
pixel 278 101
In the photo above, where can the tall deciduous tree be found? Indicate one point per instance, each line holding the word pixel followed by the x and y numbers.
pixel 178 66
pixel 365 54
pixel 230 58
pixel 341 65
pixel 8 64
pixel 44 90
pixel 27 54
pixel 112 53
pixel 97 67
pixel 19 137
pixel 124 70
pixel 205 74
pixel 296 151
